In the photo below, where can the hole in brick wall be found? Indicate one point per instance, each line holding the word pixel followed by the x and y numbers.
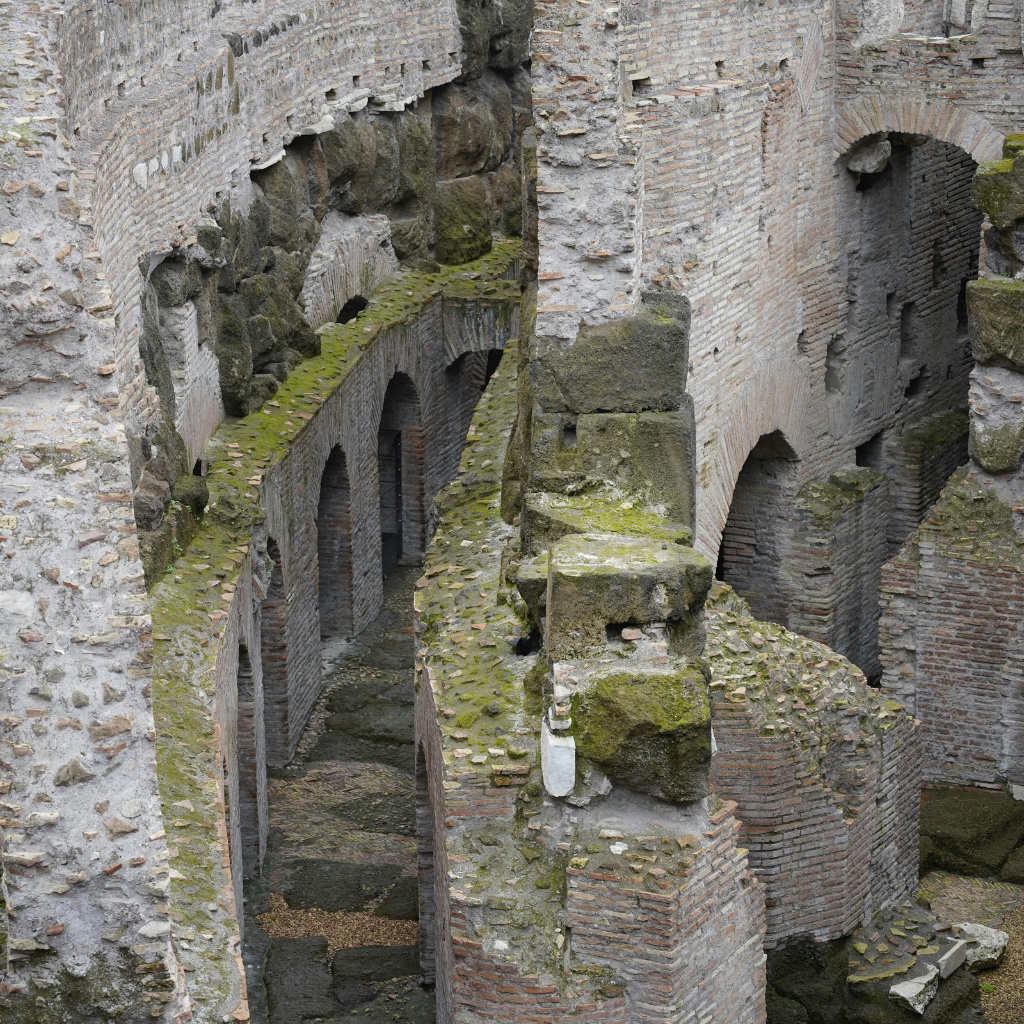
pixel 529 644
pixel 908 330
pixel 961 308
pixel 331 95
pixel 835 365
pixel 355 80
pixel 352 308
pixel 613 631
pixel 916 387
pixel 871 453
pixel 977 62
pixel 803 346
pixel 569 435
pixel 890 304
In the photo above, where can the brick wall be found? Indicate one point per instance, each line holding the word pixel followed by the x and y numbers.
pixel 951 638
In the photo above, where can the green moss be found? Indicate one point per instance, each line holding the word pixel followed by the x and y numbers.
pixel 548 517
pixel 826 500
pixel 998 191
pixel 623 706
pixel 1012 146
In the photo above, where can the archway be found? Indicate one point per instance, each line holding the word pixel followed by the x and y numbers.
pixel 274 660
pixel 751 554
pixel 400 451
pixel 334 547
pixel 251 806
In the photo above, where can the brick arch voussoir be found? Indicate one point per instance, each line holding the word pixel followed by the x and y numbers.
pixel 917 115
pixel 776 398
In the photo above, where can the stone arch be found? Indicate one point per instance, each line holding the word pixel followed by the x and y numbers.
pixel 401 444
pixel 334 546
pixel 917 115
pixel 751 552
pixel 777 396
pixel 274 660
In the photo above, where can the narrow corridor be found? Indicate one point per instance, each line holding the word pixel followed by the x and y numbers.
pixel 331 926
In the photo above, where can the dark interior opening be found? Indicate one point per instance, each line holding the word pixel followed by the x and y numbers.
pixel 871 453
pixel 351 309
pixel 389 464
pixel 569 435
pixel 199 469
pixel 915 387
pixel 529 644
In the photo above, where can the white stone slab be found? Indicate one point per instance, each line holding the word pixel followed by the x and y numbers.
pixel 558 762
pixel 917 993
pixel 952 958
pixel 985 946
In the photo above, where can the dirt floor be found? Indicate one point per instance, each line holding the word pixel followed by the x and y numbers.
pixel 1000 905
pixel 331 927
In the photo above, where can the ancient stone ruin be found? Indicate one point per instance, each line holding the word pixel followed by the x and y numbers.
pixel 511 511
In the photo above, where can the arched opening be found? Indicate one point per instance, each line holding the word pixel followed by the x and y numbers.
pixel 274 659
pixel 334 547
pixel 352 308
pixel 913 240
pixel 250 809
pixel 400 451
pixel 753 542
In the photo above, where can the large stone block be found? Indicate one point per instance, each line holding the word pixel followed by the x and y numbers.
pixel 635 364
pixel 648 728
pixel 995 307
pixel 472 126
pixel 598 580
pixel 998 190
pixel 997 418
pixel 548 517
pixel 649 455
pixel 462 223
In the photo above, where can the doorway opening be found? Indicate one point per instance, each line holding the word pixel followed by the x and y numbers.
pixel 334 547
pixel 751 552
pixel 400 452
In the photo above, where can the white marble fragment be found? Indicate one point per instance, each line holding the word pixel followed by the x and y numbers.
pixel 558 762
pixel 917 993
pixel 985 946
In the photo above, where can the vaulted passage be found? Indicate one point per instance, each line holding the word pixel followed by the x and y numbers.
pixel 334 547
pixel 400 444
pixel 750 557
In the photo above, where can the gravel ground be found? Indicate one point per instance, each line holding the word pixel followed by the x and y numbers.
pixel 957 898
pixel 342 929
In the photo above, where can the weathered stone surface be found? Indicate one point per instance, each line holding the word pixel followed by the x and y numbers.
pixel 635 364
pixel 462 224
pixel 997 418
pixel 473 127
pixel 969 831
pixel 649 729
pixel 917 992
pixel 998 190
pixel 996 309
pixel 596 580
pixel 299 983
pixel 494 35
pixel 986 947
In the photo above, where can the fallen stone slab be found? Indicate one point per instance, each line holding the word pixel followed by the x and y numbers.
pixel 985 946
pixel 917 993
pixel 952 958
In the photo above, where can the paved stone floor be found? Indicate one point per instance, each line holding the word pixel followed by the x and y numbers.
pixel 331 925
pixel 997 904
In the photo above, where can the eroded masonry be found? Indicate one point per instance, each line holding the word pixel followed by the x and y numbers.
pixel 510 511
